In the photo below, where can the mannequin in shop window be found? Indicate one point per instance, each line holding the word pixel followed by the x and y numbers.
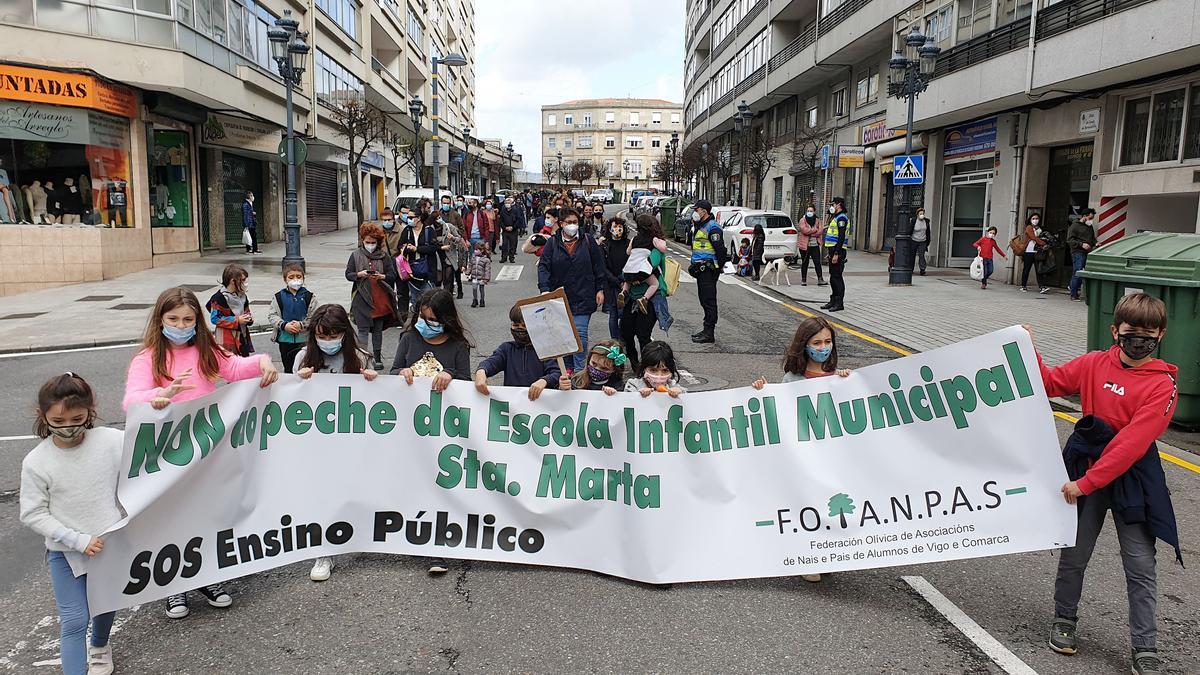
pixel 53 211
pixel 8 208
pixel 37 202
pixel 114 200
pixel 71 202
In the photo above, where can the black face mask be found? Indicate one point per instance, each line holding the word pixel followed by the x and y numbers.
pixel 521 335
pixel 1137 347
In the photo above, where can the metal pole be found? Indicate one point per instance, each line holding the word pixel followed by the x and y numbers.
pixel 291 221
pixel 902 272
pixel 437 164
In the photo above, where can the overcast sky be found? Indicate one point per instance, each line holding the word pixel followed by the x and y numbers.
pixel 531 53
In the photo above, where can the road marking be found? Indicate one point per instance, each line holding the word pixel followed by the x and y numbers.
pixel 16 438
pixel 13 355
pixel 510 273
pixel 1178 461
pixel 996 651
pixel 9 663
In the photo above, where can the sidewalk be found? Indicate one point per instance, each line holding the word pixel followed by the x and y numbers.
pixel 945 307
pixel 115 311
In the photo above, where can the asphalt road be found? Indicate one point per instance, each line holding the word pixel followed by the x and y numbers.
pixel 383 614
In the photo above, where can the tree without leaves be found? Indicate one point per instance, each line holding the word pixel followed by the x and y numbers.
pixel 407 151
pixel 581 170
pixel 600 171
pixel 806 154
pixel 360 123
pixel 760 158
pixel 550 171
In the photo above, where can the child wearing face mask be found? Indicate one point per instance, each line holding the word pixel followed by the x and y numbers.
pixel 69 496
pixel 479 273
pixel 987 247
pixel 229 311
pixel 605 369
pixel 808 244
pixel 331 348
pixel 177 362
pixel 656 372
pixel 291 312
pixel 744 268
pixel 1029 248
pixel 1128 398
pixel 520 364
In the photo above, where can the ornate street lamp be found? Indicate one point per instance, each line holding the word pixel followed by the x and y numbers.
pixel 289 50
pixel 454 61
pixel 558 167
pixel 909 75
pixel 675 153
pixel 742 121
pixel 512 178
pixel 704 165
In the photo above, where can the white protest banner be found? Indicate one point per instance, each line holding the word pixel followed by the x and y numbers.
pixel 939 456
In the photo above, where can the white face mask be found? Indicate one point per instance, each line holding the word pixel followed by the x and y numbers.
pixel 810 214
pixel 1038 231
pixel 695 216
pixel 571 230
pixel 833 210
pixel 295 284
pixel 1034 222
pixel 370 247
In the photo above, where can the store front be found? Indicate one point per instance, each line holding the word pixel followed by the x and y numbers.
pixel 1068 183
pixel 240 151
pixel 969 156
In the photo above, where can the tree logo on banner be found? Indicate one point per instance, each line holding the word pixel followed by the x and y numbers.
pixel 840 505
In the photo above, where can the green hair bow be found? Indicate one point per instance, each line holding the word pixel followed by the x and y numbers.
pixel 612 352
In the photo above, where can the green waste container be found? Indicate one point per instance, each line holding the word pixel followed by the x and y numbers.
pixel 667 212
pixel 1166 266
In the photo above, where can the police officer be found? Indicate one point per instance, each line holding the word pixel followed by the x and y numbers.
pixel 835 251
pixel 708 258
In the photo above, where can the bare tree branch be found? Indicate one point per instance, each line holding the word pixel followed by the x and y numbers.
pixel 360 123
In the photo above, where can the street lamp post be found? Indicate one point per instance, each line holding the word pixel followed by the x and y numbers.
pixel 290 51
pixel 512 178
pixel 741 124
pixel 703 165
pixel 462 166
pixel 676 175
pixel 558 167
pixel 452 60
pixel 909 76
pixel 416 110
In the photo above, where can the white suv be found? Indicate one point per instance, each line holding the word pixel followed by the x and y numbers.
pixel 778 226
pixel 601 195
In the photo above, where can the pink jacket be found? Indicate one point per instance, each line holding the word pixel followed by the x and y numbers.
pixel 806 232
pixel 141 386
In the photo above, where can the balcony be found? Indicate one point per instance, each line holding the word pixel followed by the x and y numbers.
pixel 988 46
pixel 843 12
pixel 751 80
pixel 700 68
pixel 750 16
pixel 805 39
pixel 1060 18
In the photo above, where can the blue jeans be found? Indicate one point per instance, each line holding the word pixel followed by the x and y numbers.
pixel 70 593
pixel 1078 260
pixel 579 361
pixel 660 308
pixel 614 314
pixel 417 288
pixel 987 269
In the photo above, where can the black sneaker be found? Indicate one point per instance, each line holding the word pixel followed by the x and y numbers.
pixel 1062 636
pixel 1146 662
pixel 216 595
pixel 177 606
pixel 704 338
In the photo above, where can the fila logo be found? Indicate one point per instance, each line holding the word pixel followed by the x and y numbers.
pixel 1115 388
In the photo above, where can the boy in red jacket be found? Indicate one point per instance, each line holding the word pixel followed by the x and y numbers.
pixel 987 247
pixel 1134 393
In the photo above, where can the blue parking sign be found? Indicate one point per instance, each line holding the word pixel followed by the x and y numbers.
pixel 824 156
pixel 908 170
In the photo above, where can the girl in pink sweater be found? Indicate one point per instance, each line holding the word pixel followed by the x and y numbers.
pixel 179 363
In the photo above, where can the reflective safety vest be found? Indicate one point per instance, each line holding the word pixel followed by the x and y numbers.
pixel 831 230
pixel 702 248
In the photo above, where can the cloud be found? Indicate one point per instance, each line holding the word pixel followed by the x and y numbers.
pixel 531 53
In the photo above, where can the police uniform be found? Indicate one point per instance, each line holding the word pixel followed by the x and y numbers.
pixel 708 257
pixel 835 244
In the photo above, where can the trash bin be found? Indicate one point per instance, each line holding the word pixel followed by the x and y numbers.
pixel 1166 266
pixel 667 211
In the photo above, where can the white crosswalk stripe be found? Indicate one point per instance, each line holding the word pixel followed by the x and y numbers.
pixel 509 273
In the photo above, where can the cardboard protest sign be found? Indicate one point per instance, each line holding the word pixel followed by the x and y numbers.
pixel 551 326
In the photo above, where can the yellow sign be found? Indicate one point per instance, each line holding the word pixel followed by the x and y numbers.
pixel 851 156
pixel 55 87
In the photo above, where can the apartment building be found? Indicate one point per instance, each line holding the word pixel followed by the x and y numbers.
pixel 137 126
pixel 622 138
pixel 1034 106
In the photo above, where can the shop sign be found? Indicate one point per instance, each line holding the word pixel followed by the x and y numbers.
pixel 1089 121
pixel 108 132
pixel 240 133
pixel 878 132
pixel 36 122
pixel 75 90
pixel 372 159
pixel 973 139
pixel 851 156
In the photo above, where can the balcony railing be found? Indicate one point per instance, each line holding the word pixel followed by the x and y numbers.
pixel 723 101
pixel 753 12
pixel 1064 16
pixel 843 12
pixel 994 43
pixel 700 68
pixel 728 40
pixel 694 31
pixel 803 41
pixel 751 80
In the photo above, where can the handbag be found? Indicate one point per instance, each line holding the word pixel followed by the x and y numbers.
pixel 977 268
pixel 403 270
pixel 672 276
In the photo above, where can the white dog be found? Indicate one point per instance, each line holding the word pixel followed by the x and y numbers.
pixel 779 266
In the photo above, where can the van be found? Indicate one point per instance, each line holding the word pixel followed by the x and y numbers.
pixel 410 196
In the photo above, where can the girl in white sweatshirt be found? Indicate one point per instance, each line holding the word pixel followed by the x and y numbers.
pixel 69 496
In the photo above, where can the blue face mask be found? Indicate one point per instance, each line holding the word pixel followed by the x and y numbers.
pixel 178 336
pixel 330 347
pixel 445 207
pixel 429 329
pixel 818 355
pixel 389 224
pixel 404 217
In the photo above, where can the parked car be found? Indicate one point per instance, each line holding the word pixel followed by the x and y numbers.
pixel 601 195
pixel 722 213
pixel 643 204
pixel 656 203
pixel 781 232
pixel 578 193
pixel 409 197
pixel 635 195
pixel 683 224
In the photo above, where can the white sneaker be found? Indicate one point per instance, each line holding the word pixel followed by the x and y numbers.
pixel 321 569
pixel 438 567
pixel 811 578
pixel 100 660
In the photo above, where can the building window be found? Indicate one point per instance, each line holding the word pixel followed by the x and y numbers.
pixel 635 119
pixel 868 87
pixel 810 113
pixel 414 29
pixel 1166 125
pixel 587 120
pixel 343 12
pixel 608 167
pixel 974 19
pixel 585 142
pixel 1012 10
pixel 552 142
pixel 566 144
pixel 551 120
pixel 333 79
pixel 1152 129
pixel 633 142
pixel 635 167
pixel 610 142
pixel 837 103
pixel 938 24
pixel 656 118
pixel 655 142
pixel 674 118
pixel 610 117
pixel 568 119
pixel 1191 139
pixel 1134 129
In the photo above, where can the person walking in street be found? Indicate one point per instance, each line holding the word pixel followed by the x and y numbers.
pixel 69 497
pixel 1030 243
pixel 493 223
pixel 291 314
pixel 452 250
pixel 543 226
pixel 572 261
pixel 708 258
pixel 393 233
pixel 479 273
pixel 808 244
pixel 512 221
pixel 758 250
pixel 250 223
pixel 419 244
pixel 229 311
pixel 372 300
pixel 987 248
pixel 1081 239
pixel 835 248
pixel 615 245
pixel 920 238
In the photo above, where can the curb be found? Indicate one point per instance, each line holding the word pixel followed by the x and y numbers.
pixel 68 346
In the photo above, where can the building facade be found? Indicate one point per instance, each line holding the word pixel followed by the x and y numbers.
pixel 623 139
pixel 136 129
pixel 1034 106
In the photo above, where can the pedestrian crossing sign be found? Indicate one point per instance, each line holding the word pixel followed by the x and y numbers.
pixel 908 170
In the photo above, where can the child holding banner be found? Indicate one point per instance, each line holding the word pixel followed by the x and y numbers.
pixel 165 370
pixel 520 363
pixel 1128 398
pixel 656 372
pixel 68 493
pixel 813 353
pixel 605 369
